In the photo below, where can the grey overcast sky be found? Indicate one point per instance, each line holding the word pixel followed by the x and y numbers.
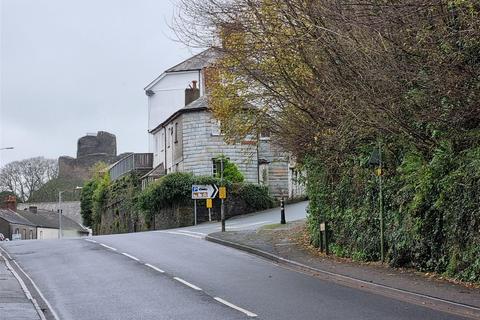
pixel 69 67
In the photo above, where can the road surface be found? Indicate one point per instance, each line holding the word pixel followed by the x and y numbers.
pixel 295 211
pixel 176 274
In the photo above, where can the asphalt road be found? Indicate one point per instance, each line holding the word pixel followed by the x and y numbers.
pixel 295 211
pixel 189 278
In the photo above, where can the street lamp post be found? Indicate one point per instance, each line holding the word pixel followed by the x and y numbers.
pixel 5 148
pixel 60 228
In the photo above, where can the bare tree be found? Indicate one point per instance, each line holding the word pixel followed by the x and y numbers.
pixel 27 176
pixel 327 74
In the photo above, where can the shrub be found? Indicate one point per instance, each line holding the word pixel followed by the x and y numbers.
pixel 231 172
pixel 256 196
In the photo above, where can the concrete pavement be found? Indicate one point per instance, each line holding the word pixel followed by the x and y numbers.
pixel 14 303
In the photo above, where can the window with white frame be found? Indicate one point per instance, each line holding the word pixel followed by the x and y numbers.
pixel 217 166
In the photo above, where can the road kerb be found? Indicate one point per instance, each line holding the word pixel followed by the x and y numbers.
pixel 431 302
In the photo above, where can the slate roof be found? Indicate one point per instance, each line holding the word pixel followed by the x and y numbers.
pixel 197 62
pixel 49 219
pixel 197 105
pixel 13 217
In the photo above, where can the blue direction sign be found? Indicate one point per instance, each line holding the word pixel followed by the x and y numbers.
pixel 204 191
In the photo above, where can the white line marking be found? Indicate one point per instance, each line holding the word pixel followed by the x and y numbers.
pixel 90 240
pixel 54 314
pixel 185 234
pixel 154 268
pixel 187 283
pixel 108 247
pixel 193 232
pixel 25 289
pixel 231 305
pixel 131 257
pixel 8 255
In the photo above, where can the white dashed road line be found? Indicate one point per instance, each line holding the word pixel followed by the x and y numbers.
pixel 231 305
pixel 192 234
pixel 154 268
pixel 130 256
pixel 108 247
pixel 187 283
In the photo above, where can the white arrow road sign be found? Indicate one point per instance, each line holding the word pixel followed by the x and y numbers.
pixel 204 191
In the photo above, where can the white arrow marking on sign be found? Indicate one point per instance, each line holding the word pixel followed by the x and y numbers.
pixel 204 191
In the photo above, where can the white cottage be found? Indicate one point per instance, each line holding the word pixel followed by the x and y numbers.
pixel 184 136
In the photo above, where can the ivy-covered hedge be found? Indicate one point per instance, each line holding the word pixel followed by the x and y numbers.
pixel 256 196
pixel 431 208
pixel 121 206
pixel 174 190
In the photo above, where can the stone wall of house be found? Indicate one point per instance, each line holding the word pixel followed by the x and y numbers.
pixel 70 209
pixel 278 170
pixel 27 232
pixel 201 144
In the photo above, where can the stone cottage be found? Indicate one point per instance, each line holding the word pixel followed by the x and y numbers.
pixel 33 223
pixel 185 137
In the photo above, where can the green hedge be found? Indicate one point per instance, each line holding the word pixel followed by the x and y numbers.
pixel 431 208
pixel 176 188
pixel 256 196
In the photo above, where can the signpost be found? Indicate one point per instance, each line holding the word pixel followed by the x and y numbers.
pixel 203 192
pixel 222 195
pixel 209 207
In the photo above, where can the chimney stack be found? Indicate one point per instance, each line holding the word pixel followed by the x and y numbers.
pixel 192 93
pixel 11 203
pixel 32 209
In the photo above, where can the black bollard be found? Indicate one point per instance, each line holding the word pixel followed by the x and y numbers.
pixel 282 212
pixel 325 238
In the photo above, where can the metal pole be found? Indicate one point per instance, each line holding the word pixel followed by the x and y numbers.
pixel 222 206
pixel 209 214
pixel 222 215
pixel 195 210
pixel 320 238
pixel 282 211
pixel 325 238
pixel 60 215
pixel 382 252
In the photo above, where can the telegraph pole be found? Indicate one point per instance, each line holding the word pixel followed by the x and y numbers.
pixel 380 187
pixel 222 206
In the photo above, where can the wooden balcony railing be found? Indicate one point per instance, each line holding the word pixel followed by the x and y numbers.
pixel 141 162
